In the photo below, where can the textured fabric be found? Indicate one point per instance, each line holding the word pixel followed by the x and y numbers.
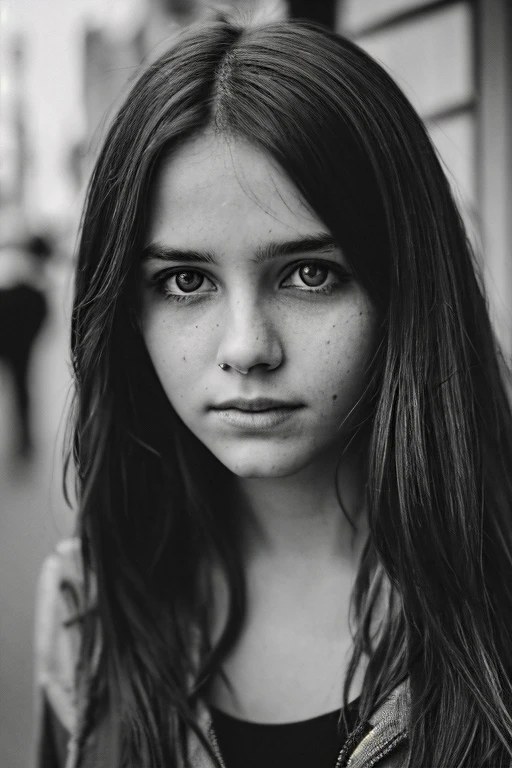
pixel 60 590
pixel 389 723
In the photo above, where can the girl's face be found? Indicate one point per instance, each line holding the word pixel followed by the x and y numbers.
pixel 237 270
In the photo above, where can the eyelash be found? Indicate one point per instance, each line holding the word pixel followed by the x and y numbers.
pixel 160 279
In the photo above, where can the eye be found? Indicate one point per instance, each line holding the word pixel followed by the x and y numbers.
pixel 317 275
pixel 182 283
pixel 188 281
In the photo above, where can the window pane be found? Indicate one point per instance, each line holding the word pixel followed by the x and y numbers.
pixel 355 14
pixel 430 58
pixel 455 139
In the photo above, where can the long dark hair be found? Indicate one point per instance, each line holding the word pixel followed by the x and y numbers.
pixel 154 503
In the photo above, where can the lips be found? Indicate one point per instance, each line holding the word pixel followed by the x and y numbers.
pixel 255 405
pixel 256 422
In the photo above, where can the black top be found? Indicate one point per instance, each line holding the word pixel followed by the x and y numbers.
pixel 314 743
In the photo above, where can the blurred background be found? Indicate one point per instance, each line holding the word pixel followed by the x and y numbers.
pixel 64 66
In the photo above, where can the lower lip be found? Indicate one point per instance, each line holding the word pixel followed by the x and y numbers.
pixel 256 420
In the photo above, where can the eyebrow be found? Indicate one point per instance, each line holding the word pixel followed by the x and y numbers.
pixel 311 244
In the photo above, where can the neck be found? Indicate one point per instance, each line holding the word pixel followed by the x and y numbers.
pixel 299 518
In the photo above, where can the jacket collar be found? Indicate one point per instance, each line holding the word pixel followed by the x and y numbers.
pixel 389 725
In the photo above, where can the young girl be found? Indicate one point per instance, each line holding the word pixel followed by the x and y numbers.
pixel 292 435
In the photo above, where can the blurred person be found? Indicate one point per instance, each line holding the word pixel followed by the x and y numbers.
pixel 292 432
pixel 23 309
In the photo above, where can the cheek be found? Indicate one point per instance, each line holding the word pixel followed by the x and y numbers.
pixel 339 357
pixel 176 354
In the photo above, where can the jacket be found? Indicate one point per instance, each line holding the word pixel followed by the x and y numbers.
pixel 57 648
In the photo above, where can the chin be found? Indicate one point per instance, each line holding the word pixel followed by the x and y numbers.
pixel 254 463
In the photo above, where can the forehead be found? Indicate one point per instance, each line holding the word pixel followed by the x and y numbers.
pixel 218 188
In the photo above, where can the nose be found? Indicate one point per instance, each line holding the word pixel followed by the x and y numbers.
pixel 250 338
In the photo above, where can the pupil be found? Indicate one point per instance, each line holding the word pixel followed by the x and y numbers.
pixel 313 274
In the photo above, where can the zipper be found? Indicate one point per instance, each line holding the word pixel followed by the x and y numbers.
pixel 215 744
pixel 352 741
pixel 388 747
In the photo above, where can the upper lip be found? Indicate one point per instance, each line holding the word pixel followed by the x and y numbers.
pixel 257 404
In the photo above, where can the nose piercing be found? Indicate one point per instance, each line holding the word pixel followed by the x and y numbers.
pixel 226 367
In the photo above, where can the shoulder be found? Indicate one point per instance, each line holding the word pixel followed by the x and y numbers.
pixel 59 601
pixel 66 561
